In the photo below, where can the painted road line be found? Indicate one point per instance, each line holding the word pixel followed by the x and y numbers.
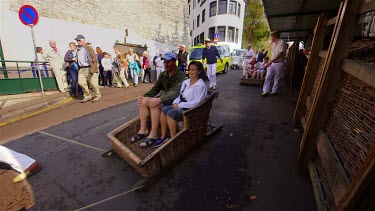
pixel 35 112
pixel 71 141
pixel 110 198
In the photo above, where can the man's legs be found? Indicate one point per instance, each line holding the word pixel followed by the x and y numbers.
pixel 245 63
pixel 213 72
pixel 155 120
pixel 209 73
pixel 59 79
pixel 17 161
pixel 278 73
pixel 269 77
pixel 122 77
pixel 83 74
pixel 144 113
pixel 93 79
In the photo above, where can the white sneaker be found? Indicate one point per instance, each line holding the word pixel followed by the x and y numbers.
pixel 214 87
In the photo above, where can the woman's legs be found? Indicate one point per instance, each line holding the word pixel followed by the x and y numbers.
pixel 73 84
pixel 134 75
pixel 172 125
pixel 109 78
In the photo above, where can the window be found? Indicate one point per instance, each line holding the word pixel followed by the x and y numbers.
pixel 203 15
pixel 211 33
pixel 189 9
pixel 213 8
pixel 239 10
pixel 232 7
pixel 226 51
pixel 236 40
pixel 191 33
pixel 223 7
pixel 230 34
pixel 201 38
pixel 221 30
pixel 198 19
pixel 193 24
pixel 194 3
pixel 196 40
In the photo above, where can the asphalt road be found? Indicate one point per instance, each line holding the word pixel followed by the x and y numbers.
pixel 250 165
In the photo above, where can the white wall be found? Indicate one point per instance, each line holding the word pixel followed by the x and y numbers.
pixel 17 42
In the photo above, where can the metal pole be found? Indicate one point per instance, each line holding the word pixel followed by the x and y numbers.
pixel 37 62
pixel 2 61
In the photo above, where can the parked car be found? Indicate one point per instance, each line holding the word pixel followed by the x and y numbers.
pixel 237 58
pixel 195 54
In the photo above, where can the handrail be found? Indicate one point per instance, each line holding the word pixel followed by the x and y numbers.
pixel 33 66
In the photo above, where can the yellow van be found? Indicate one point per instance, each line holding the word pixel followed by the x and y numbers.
pixel 195 54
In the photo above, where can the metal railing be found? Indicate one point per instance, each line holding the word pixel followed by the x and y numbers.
pixel 32 67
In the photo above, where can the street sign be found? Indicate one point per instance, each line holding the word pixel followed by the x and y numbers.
pixel 28 15
pixel 216 35
pixel 216 40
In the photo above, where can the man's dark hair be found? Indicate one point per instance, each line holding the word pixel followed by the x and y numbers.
pixel 39 49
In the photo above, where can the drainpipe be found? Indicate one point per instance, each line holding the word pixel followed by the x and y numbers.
pixel 2 61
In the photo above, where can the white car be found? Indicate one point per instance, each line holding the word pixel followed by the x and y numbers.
pixel 237 58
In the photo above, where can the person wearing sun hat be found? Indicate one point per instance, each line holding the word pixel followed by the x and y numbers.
pixel 210 53
pixel 165 90
pixel 276 65
pixel 182 58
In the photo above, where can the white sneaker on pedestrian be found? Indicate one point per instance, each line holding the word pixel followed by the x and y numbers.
pixel 214 87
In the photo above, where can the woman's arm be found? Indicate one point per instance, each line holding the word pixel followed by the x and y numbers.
pixel 199 95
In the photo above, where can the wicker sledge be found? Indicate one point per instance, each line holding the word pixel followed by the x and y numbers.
pixel 251 81
pixel 151 162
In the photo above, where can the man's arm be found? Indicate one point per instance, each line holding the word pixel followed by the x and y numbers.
pixel 218 55
pixel 154 90
pixel 278 56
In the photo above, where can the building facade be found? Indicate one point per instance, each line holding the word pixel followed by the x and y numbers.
pixel 224 17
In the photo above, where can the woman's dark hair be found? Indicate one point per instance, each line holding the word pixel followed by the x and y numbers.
pixel 199 66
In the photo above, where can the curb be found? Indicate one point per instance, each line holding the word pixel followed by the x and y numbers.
pixel 31 110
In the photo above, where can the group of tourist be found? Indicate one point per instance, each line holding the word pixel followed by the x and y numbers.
pixel 81 58
pixel 258 66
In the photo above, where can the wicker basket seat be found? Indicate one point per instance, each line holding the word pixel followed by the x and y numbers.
pixel 151 161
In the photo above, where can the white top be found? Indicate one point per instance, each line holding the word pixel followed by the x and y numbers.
pixel 159 62
pixel 192 94
pixel 277 47
pixel 107 63
pixel 248 53
pixel 130 58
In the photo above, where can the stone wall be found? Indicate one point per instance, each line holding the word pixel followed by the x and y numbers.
pixel 164 21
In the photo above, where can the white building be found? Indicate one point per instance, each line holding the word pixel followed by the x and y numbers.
pixel 224 17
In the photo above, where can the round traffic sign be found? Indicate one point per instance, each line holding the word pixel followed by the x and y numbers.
pixel 28 15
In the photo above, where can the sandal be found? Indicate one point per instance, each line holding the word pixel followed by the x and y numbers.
pixel 147 142
pixel 138 136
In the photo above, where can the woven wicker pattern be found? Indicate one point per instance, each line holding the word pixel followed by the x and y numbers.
pixel 153 160
pixel 351 123
pixel 363 50
pixel 317 78
pixel 328 199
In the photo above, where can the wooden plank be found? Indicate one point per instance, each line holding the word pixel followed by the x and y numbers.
pixel 251 81
pixel 337 52
pixel 367 7
pixel 360 70
pixel 317 188
pixel 361 190
pixel 323 54
pixel 336 177
pixel 331 21
pixel 303 122
pixel 309 102
pixel 312 65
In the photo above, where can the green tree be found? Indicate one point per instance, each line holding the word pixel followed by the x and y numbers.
pixel 256 30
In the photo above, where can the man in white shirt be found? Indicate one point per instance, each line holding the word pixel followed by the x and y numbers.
pixel 247 55
pixel 276 65
pixel 56 61
pixel 159 66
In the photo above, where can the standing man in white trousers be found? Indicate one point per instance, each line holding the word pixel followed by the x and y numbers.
pixel 210 54
pixel 19 162
pixel 276 66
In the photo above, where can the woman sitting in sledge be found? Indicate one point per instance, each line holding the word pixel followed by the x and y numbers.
pixel 192 92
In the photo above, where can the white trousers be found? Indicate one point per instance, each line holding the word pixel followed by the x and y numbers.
pixel 211 73
pixel 17 161
pixel 159 70
pixel 60 76
pixel 121 78
pixel 245 63
pixel 274 72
